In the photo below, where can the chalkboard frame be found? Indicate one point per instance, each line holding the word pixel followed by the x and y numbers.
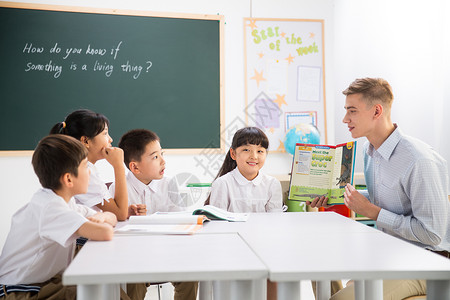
pixel 90 10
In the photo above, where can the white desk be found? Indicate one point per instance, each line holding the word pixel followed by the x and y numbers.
pixel 285 247
pixel 100 267
pixel 297 223
pixel 326 246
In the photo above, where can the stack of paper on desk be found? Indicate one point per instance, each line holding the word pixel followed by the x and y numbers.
pixel 169 218
pixel 163 224
pixel 178 222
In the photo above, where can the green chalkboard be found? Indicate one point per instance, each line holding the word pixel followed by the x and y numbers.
pixel 156 72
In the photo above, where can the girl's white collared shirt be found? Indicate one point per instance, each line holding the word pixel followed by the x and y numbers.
pixel 234 193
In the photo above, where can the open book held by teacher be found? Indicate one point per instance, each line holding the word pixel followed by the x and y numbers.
pixel 322 170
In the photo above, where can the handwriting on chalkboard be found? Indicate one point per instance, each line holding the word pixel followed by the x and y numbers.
pixel 105 62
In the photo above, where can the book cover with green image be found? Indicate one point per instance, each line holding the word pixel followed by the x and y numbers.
pixel 322 170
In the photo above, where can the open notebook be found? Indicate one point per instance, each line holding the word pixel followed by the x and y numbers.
pixel 186 222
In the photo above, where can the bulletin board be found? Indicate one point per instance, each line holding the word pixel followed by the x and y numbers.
pixel 284 76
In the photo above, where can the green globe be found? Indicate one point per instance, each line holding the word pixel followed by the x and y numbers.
pixel 301 133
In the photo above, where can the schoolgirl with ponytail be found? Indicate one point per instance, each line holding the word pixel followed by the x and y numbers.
pixel 92 130
pixel 239 185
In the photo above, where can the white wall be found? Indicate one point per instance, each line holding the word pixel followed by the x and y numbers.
pixel 445 129
pixel 17 179
pixel 404 42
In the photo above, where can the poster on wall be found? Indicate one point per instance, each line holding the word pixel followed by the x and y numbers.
pixel 284 78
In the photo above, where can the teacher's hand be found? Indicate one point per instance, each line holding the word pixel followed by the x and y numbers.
pixel 319 202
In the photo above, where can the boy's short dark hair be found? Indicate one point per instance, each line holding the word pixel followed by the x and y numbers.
pixel 133 144
pixel 56 155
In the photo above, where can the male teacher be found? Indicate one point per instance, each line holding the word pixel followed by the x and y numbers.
pixel 407 181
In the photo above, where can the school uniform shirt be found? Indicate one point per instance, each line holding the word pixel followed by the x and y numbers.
pixel 159 195
pixel 40 242
pixel 234 193
pixel 97 191
pixel 409 181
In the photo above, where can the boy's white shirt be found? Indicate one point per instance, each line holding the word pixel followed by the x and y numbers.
pixel 160 195
pixel 234 193
pixel 97 191
pixel 40 242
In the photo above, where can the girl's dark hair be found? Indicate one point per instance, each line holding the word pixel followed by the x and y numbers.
pixel 56 155
pixel 242 137
pixel 82 122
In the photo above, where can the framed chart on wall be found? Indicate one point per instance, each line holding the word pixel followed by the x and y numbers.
pixel 284 76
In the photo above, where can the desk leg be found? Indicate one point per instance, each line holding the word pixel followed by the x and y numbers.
pixel 205 290
pixel 289 290
pixel 89 292
pixel 373 289
pixel 260 289
pixel 323 290
pixel 97 292
pixel 241 289
pixel 359 289
pixel 438 289
pixel 221 290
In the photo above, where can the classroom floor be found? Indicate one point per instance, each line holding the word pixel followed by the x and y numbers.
pixel 306 292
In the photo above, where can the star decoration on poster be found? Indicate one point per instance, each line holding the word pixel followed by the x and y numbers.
pixel 252 24
pixel 281 147
pixel 280 100
pixel 258 77
pixel 290 59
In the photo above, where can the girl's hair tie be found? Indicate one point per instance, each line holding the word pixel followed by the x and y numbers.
pixel 62 127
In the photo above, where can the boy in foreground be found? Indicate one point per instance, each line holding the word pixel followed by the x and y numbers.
pixel 39 246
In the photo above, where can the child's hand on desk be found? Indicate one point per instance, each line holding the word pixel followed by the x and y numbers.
pixel 319 202
pixel 104 217
pixel 137 210
pixel 97 218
